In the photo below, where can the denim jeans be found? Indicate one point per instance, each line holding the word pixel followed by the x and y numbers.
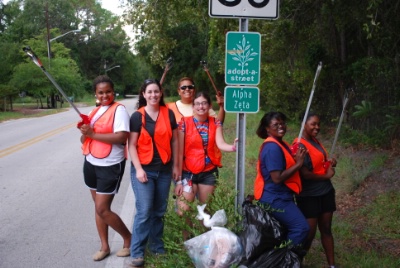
pixel 151 205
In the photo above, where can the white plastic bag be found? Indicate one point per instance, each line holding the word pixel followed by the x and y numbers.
pixel 218 248
pixel 218 219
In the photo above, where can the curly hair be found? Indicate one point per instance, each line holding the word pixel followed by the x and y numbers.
pixel 102 79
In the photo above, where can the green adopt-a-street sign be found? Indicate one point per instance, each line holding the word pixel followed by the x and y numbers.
pixel 242 58
pixel 241 99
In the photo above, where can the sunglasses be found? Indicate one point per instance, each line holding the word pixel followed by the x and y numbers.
pixel 151 81
pixel 190 87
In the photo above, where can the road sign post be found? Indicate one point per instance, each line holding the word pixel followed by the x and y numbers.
pixel 244 46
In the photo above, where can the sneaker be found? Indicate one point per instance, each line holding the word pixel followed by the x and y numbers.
pixel 137 262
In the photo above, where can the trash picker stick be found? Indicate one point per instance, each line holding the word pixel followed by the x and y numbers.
pixel 310 99
pixel 345 102
pixel 204 63
pixel 168 66
pixel 38 63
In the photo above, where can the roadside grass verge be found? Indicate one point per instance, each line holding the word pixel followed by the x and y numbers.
pixel 18 113
pixel 367 237
pixel 351 238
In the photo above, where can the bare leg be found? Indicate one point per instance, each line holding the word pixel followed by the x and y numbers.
pixel 102 228
pixel 109 218
pixel 325 228
pixel 205 192
pixel 312 222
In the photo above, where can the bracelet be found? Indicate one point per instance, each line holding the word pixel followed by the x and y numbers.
pixel 233 148
pixel 179 182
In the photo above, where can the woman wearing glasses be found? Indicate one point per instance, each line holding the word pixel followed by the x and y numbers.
pixel 184 106
pixel 153 143
pixel 278 176
pixel 200 141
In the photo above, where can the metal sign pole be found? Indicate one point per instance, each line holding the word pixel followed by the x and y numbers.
pixel 241 134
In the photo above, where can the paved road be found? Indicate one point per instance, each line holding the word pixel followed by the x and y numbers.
pixel 46 212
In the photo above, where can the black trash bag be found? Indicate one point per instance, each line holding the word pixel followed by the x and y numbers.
pixel 279 257
pixel 261 231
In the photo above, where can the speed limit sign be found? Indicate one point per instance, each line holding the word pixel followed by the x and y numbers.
pixel 256 9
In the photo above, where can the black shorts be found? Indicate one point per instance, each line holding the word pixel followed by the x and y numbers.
pixel 206 178
pixel 105 180
pixel 313 206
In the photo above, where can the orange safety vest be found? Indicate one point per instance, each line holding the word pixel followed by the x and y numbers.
pixel 293 183
pixel 317 157
pixel 177 113
pixel 104 124
pixel 195 154
pixel 162 138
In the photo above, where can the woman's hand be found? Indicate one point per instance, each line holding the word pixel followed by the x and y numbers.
pixel 178 189
pixel 330 172
pixel 86 130
pixel 141 176
pixel 300 155
pixel 333 162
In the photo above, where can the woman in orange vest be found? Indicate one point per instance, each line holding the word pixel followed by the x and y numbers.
pixel 200 141
pixel 317 200
pixel 278 177
pixel 103 144
pixel 184 106
pixel 153 147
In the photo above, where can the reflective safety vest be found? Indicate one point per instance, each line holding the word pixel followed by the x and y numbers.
pixel 162 138
pixel 318 158
pixel 177 113
pixel 194 151
pixel 293 183
pixel 104 124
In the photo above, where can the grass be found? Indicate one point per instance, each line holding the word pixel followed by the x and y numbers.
pixel 350 174
pixel 364 239
pixel 26 111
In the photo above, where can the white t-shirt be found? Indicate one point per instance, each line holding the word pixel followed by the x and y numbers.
pixel 187 109
pixel 121 123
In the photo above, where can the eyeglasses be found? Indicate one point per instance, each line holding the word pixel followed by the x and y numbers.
pixel 277 125
pixel 190 87
pixel 203 103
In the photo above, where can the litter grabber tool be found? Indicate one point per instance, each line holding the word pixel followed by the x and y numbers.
pixel 295 146
pixel 168 67
pixel 205 67
pixel 36 60
pixel 347 96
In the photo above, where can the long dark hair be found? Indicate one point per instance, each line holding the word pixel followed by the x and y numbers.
pixel 142 101
pixel 266 121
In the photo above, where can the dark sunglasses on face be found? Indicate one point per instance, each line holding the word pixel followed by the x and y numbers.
pixel 190 87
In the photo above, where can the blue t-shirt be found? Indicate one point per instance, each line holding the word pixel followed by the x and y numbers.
pixel 272 159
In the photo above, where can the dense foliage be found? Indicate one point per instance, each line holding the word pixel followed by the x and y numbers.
pixel 357 42
pixel 75 58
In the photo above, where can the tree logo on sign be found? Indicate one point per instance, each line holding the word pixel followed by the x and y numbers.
pixel 243 54
pixel 254 3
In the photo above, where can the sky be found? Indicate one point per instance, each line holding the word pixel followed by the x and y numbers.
pixel 111 5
